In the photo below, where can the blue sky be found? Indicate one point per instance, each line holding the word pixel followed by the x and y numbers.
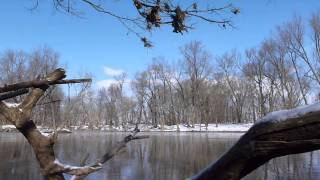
pixel 97 42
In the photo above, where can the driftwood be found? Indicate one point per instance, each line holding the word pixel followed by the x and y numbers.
pixel 267 139
pixel 20 114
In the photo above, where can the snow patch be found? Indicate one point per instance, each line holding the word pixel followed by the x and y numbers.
pixel 64 130
pixel 11 105
pixel 278 116
pixel 184 128
pixel 45 134
pixel 148 128
pixel 210 128
pixel 9 126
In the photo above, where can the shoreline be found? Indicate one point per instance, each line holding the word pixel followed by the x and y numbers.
pixel 212 128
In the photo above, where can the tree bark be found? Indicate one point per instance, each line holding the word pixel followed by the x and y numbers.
pixel 12 94
pixel 20 116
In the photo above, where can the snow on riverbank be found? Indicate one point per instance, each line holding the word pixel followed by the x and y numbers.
pixel 12 128
pixel 197 128
pixel 147 128
pixel 182 128
pixel 7 128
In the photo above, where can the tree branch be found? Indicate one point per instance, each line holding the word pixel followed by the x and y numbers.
pixel 153 14
pixel 39 84
pixel 9 95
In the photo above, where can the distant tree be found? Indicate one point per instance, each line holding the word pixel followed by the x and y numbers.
pixel 197 69
pixel 236 84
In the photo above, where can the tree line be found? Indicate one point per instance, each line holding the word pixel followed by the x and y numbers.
pixel 282 72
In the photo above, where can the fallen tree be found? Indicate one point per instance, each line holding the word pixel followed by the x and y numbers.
pixel 42 144
pixel 40 83
pixel 17 89
pixel 277 134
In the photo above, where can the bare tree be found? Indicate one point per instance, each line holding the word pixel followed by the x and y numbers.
pixel 139 86
pixel 237 85
pixel 255 70
pixel 197 68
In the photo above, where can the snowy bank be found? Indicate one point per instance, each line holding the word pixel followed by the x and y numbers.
pixel 202 128
pixel 7 128
pixel 182 128
pixel 12 128
pixel 147 128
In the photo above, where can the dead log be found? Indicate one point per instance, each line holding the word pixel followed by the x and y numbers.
pixel 40 83
pixel 277 134
pixel 42 144
pixel 13 90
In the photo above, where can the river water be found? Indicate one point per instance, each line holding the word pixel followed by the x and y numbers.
pixel 164 156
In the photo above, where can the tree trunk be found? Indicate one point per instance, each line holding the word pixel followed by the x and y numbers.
pixel 267 139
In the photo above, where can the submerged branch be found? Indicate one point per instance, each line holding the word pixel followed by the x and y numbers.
pixel 81 172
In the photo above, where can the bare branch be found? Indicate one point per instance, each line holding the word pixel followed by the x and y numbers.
pixel 154 14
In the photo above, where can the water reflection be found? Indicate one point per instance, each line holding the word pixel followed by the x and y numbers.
pixel 164 156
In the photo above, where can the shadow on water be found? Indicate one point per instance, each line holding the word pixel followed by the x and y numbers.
pixel 164 156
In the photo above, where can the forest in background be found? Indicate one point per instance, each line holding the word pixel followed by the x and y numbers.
pixel 237 87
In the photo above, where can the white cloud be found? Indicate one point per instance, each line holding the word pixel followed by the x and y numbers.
pixel 105 83
pixel 112 72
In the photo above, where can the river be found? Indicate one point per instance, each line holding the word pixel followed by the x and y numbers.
pixel 164 156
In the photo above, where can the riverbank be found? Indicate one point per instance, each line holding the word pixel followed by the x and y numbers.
pixel 198 128
pixel 147 128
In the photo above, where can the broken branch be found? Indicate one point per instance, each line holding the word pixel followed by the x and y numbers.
pixel 40 83
pixel 9 95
